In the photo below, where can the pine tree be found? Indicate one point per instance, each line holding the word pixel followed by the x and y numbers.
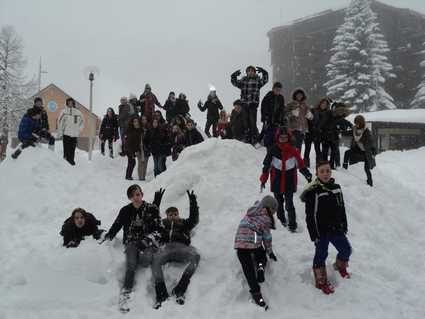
pixel 419 99
pixel 359 67
pixel 13 87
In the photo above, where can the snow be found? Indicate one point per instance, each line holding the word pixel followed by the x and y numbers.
pixel 399 116
pixel 41 279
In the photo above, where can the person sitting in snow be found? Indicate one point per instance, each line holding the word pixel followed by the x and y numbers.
pixel 192 135
pixel 281 163
pixel 326 223
pixel 177 248
pixel 213 105
pixel 79 225
pixel 362 148
pixel 142 230
pixel 30 131
pixel 253 242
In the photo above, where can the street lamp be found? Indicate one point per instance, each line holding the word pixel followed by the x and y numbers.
pixel 91 71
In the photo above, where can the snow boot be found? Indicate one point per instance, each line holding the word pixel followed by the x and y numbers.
pixel 369 182
pixel 16 153
pixel 260 273
pixel 258 299
pixel 123 300
pixel 341 267
pixel 345 165
pixel 180 289
pixel 161 294
pixel 321 279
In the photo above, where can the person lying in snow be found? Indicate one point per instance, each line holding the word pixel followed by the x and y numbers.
pixel 142 229
pixel 30 131
pixel 327 223
pixel 253 242
pixel 177 248
pixel 79 225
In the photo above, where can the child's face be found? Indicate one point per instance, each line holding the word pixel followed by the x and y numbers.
pixel 324 173
pixel 173 216
pixel 79 220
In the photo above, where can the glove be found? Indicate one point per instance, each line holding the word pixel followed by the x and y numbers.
pixel 237 73
pixel 306 174
pixel 263 178
pixel 272 256
pixel 158 197
pixel 260 69
pixel 191 195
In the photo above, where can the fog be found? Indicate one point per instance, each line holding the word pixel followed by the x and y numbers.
pixel 180 46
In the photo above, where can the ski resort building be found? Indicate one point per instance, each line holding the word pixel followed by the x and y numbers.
pixel 300 50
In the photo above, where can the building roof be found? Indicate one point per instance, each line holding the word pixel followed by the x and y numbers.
pixel 394 116
pixel 331 11
pixel 64 93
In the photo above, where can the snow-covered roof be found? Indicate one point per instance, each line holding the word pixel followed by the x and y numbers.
pixel 396 116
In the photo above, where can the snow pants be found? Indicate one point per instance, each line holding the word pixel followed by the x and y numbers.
pixel 286 198
pixel 250 260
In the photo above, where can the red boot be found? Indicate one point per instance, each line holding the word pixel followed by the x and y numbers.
pixel 321 279
pixel 341 267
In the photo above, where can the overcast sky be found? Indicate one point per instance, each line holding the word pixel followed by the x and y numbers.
pixel 179 45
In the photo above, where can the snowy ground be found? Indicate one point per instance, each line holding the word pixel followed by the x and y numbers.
pixel 41 279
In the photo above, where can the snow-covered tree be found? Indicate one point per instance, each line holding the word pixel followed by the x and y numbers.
pixel 14 89
pixel 419 99
pixel 359 66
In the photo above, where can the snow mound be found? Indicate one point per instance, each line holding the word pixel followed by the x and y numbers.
pixel 41 279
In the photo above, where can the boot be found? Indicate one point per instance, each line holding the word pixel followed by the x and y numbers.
pixel 369 182
pixel 16 153
pixel 111 153
pixel 321 279
pixel 161 294
pixel 345 165
pixel 260 273
pixel 181 287
pixel 341 267
pixel 258 299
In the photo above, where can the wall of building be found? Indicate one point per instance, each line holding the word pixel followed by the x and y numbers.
pixel 300 51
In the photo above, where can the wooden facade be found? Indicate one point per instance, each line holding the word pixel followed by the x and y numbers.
pixel 301 50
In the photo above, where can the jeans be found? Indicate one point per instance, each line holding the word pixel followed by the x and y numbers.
pixel 288 200
pixel 135 257
pixel 299 138
pixel 175 252
pixel 334 147
pixel 110 143
pixel 159 164
pixel 250 121
pixel 250 260
pixel 307 148
pixel 341 244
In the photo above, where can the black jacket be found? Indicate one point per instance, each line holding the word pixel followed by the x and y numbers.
pixel 142 225
pixel 133 142
pixel 72 235
pixel 44 120
pixel 324 208
pixel 109 127
pixel 158 142
pixel 368 154
pixel 237 130
pixel 179 231
pixel 170 110
pixel 273 109
pixel 182 107
pixel 213 105
pixel 193 137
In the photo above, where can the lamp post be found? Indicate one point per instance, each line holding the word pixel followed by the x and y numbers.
pixel 91 79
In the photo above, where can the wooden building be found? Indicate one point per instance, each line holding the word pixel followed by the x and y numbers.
pixel 301 50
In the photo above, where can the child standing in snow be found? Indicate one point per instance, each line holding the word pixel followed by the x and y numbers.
pixel 326 223
pixel 281 163
pixel 253 242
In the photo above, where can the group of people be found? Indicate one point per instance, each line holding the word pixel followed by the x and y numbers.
pixel 148 240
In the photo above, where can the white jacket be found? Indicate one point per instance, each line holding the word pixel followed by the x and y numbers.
pixel 70 122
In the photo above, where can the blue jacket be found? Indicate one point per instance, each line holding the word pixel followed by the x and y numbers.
pixel 27 126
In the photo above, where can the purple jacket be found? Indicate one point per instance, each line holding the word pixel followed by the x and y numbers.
pixel 254 230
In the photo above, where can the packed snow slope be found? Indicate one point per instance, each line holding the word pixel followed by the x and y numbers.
pixel 41 279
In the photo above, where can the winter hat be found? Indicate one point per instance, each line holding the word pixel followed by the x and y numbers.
pixel 38 99
pixel 33 111
pixel 269 202
pixel 299 91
